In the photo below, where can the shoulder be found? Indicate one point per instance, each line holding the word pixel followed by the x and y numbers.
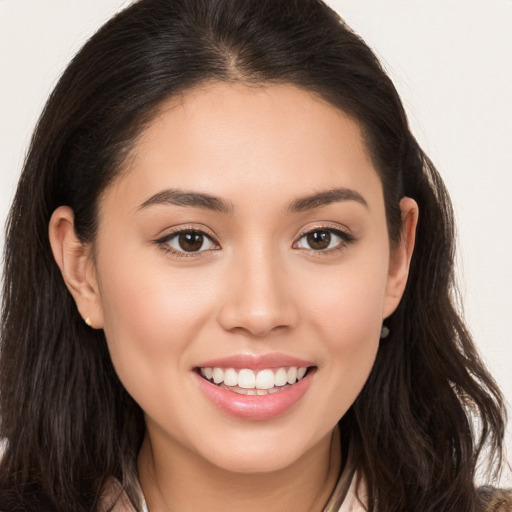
pixel 491 499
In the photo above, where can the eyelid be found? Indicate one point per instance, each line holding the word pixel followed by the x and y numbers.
pixel 163 240
pixel 198 227
pixel 341 231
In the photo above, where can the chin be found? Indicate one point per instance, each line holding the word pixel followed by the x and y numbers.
pixel 262 454
pixel 249 464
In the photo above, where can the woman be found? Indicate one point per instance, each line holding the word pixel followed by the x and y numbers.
pixel 228 281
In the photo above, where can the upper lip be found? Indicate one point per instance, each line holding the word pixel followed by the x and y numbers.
pixel 256 362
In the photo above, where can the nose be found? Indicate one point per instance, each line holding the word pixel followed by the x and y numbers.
pixel 258 298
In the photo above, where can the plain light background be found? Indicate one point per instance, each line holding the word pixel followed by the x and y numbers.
pixel 451 63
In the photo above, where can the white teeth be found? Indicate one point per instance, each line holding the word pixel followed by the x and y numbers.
pixel 230 378
pixel 246 379
pixel 264 381
pixel 218 375
pixel 292 375
pixel 301 372
pixel 281 377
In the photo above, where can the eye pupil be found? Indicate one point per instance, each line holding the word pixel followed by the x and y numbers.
pixel 191 241
pixel 319 239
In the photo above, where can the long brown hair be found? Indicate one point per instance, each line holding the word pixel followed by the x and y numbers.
pixel 67 421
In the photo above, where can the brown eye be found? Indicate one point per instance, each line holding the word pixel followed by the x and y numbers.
pixel 318 240
pixel 187 241
pixel 190 241
pixel 323 240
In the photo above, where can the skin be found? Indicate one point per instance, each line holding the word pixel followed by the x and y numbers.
pixel 257 288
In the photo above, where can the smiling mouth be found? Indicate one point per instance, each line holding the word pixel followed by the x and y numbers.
pixel 245 381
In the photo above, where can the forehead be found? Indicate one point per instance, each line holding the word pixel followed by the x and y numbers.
pixel 233 139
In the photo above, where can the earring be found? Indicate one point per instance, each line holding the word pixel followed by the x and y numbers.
pixel 88 322
pixel 384 333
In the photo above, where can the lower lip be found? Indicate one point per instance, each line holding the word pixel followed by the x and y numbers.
pixel 252 407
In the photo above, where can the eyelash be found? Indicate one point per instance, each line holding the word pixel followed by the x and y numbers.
pixel 163 242
pixel 345 239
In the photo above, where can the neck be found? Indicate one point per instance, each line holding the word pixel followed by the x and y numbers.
pixel 178 480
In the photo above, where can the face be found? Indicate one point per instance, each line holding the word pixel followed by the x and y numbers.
pixel 243 271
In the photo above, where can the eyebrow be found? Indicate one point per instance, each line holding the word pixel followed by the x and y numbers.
pixel 325 198
pixel 208 202
pixel 184 198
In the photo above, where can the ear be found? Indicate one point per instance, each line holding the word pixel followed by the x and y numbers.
pixel 76 265
pixel 400 257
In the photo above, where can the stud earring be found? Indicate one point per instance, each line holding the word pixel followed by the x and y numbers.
pixel 384 333
pixel 88 322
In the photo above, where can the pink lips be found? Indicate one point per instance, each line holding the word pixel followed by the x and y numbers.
pixel 255 407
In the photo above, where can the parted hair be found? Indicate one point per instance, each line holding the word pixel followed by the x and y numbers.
pixel 429 407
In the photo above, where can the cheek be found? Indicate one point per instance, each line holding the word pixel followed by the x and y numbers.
pixel 347 301
pixel 344 310
pixel 151 312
